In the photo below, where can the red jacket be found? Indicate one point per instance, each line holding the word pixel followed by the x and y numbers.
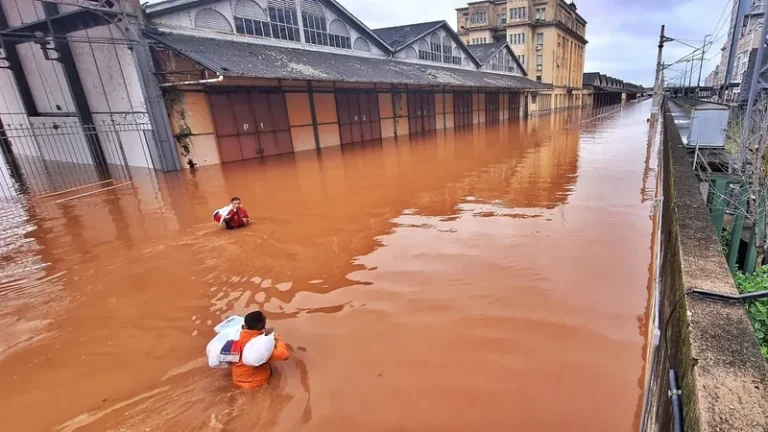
pixel 234 219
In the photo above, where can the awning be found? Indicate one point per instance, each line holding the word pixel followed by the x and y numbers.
pixel 239 59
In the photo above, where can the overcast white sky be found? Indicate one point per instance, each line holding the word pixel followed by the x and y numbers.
pixel 622 34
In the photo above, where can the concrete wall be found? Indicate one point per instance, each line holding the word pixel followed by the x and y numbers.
pixel 711 345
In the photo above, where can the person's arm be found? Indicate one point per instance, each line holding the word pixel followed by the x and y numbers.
pixel 229 215
pixel 280 352
pixel 244 215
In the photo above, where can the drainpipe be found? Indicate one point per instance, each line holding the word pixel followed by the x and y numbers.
pixel 219 78
pixel 674 392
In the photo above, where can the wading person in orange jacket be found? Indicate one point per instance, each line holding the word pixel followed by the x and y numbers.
pixel 249 377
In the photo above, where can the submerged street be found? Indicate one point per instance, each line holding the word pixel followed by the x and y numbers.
pixel 492 278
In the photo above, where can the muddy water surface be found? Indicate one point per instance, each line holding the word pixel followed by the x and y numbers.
pixel 492 278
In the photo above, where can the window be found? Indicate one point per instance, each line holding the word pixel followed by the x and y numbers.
pixel 517 38
pixel 318 31
pixel 478 17
pixel 539 61
pixel 522 59
pixel 284 24
pixel 517 13
pixel 431 51
pixel 252 27
pixel 538 78
pixel 541 14
pixel 539 39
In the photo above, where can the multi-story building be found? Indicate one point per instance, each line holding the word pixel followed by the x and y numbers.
pixel 739 51
pixel 547 36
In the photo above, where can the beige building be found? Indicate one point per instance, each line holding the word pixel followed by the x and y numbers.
pixel 548 37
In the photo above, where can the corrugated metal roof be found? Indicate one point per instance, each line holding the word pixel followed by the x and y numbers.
pixel 483 52
pixel 400 36
pixel 239 59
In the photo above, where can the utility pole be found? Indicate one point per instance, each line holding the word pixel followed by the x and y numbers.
pixel 658 84
pixel 701 62
pixel 692 62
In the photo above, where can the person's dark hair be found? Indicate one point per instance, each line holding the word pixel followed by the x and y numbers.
pixel 235 199
pixel 255 321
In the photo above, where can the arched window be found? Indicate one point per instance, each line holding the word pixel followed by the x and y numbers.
pixel 411 53
pixel 456 58
pixel 340 35
pixel 430 51
pixel 250 19
pixel 362 45
pixel 278 22
pixel 447 49
pixel 210 19
pixel 465 61
pixel 316 28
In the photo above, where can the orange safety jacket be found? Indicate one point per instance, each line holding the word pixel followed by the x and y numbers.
pixel 249 377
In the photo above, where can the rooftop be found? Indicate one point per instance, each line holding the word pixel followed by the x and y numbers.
pixel 483 52
pixel 240 59
pixel 400 36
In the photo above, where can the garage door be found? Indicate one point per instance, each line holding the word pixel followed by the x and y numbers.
pixel 358 116
pixel 250 124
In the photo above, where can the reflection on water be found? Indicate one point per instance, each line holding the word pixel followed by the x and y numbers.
pixel 505 265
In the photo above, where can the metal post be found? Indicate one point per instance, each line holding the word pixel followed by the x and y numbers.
pixel 690 75
pixel 658 85
pixel 701 61
pixel 738 225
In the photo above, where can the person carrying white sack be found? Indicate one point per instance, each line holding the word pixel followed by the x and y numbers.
pixel 255 348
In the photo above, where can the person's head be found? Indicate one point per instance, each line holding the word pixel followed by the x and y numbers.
pixel 236 203
pixel 255 321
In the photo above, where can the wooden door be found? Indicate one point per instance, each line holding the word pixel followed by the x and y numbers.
pixel 375 116
pixel 271 121
pixel 514 106
pixel 462 109
pixel 421 112
pixel 492 107
pixel 358 116
pixel 345 123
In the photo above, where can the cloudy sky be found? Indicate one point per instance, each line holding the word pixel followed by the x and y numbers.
pixel 622 34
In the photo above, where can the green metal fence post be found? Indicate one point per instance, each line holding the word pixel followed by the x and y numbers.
pixel 717 208
pixel 750 264
pixel 738 225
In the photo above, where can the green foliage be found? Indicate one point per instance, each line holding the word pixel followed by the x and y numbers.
pixel 757 310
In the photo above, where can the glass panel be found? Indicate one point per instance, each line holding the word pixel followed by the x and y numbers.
pixel 239 25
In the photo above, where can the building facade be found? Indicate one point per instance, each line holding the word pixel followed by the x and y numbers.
pixel 248 79
pixel 740 49
pixel 548 37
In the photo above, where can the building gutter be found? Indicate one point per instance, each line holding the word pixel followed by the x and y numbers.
pixel 219 78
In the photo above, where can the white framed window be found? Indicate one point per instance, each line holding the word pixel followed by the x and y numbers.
pixel 283 22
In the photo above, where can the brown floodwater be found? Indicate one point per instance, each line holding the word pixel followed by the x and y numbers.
pixel 493 278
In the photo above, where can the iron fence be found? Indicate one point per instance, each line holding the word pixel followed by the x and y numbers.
pixel 41 156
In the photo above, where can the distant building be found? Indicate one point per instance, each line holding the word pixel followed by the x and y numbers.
pixel 548 37
pixel 743 40
pixel 712 79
